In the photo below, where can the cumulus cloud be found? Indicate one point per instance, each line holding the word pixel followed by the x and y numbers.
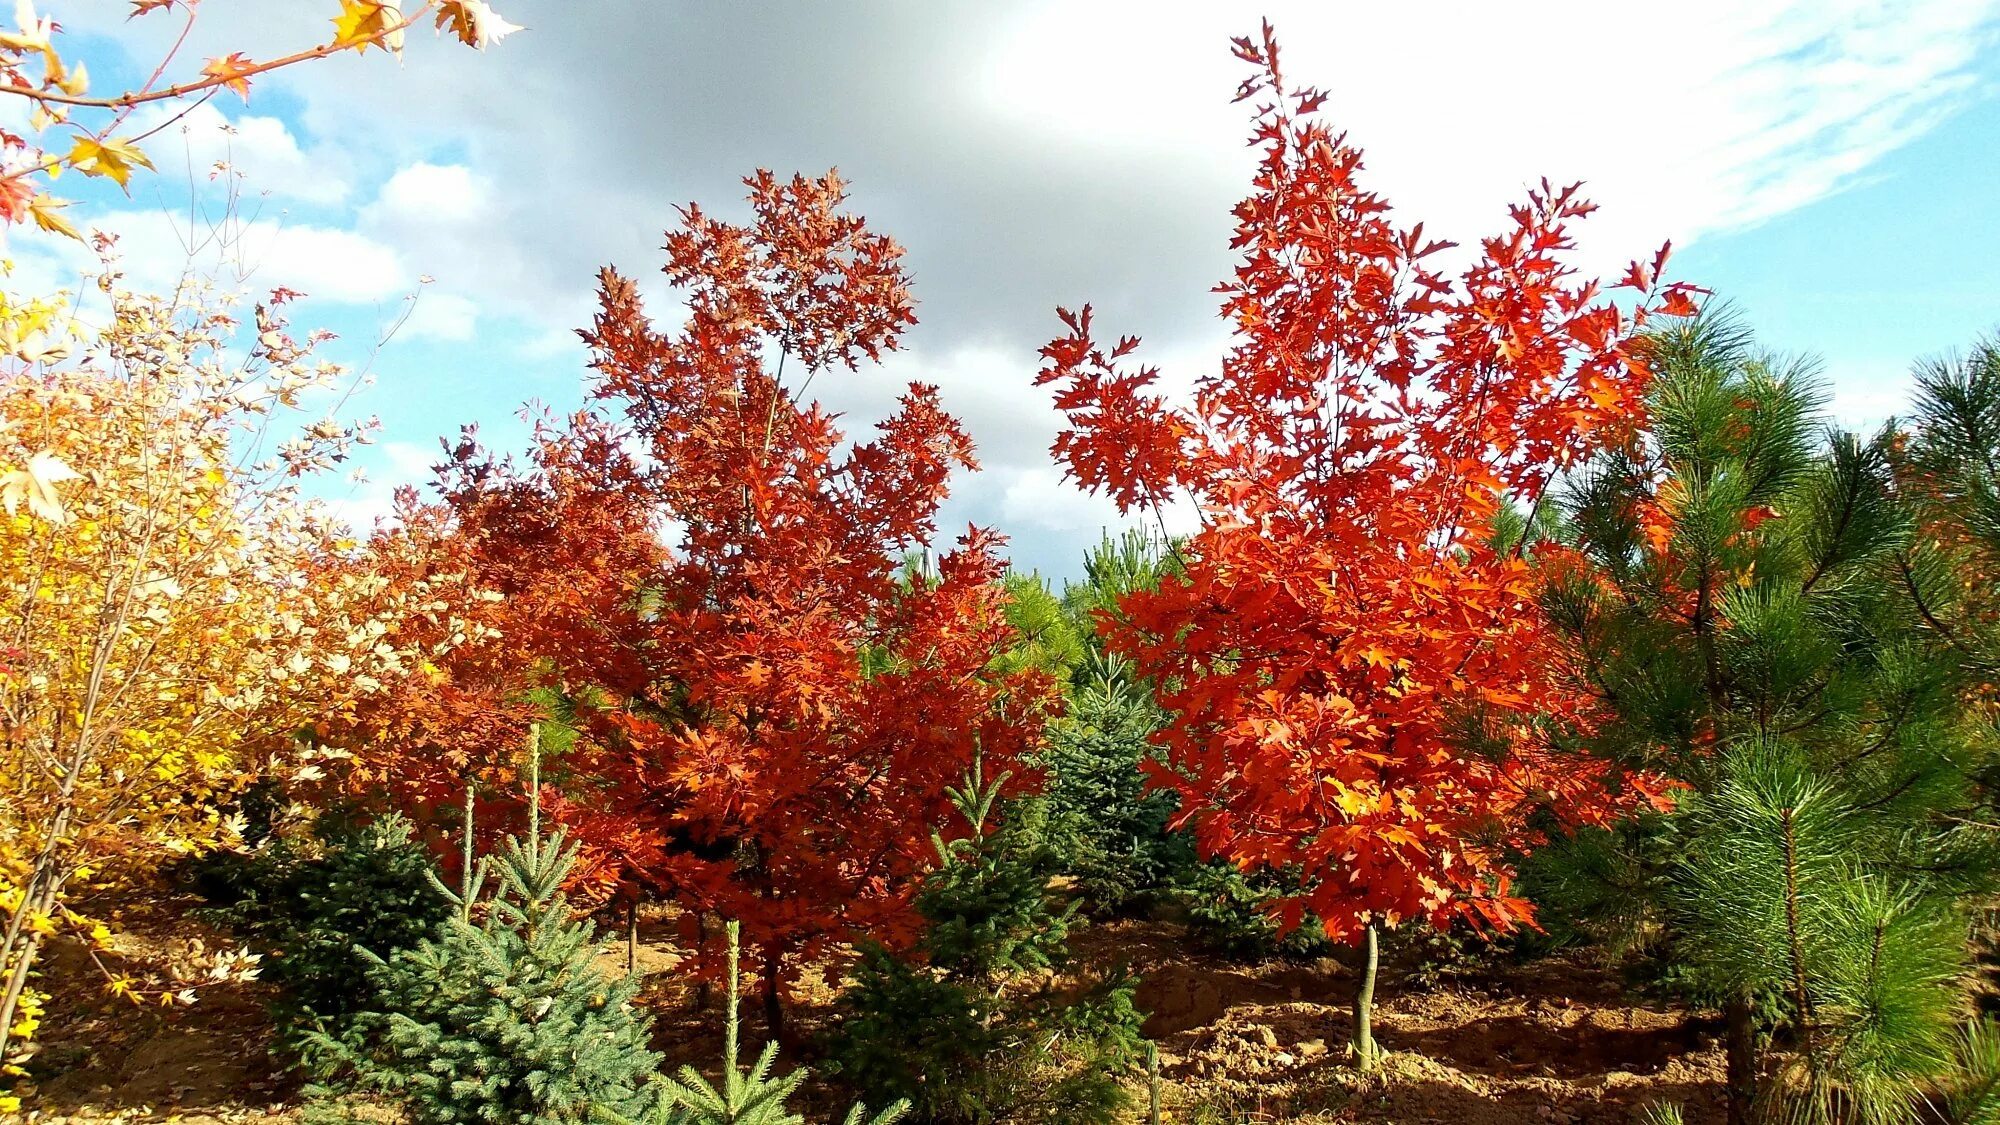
pixel 259 153
pixel 158 247
pixel 371 499
pixel 426 194
pixel 441 316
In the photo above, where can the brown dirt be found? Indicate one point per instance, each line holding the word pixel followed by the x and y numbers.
pixel 1554 1042
pixel 102 1058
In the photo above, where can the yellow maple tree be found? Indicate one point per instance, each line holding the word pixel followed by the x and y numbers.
pixel 172 609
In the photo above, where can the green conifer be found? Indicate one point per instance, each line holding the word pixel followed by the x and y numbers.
pixel 1738 611
pixel 973 1025
pixel 502 1019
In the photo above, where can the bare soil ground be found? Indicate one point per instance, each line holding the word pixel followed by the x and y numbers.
pixel 1552 1042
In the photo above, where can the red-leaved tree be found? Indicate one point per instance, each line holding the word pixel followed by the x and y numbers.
pixel 808 701
pixel 1354 661
pixel 699 586
pixel 552 553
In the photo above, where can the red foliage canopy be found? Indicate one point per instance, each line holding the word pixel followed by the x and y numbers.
pixel 1356 668
pixel 552 555
pixel 808 705
pixel 768 708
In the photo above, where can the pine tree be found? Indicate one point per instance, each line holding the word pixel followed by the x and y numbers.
pixel 973 1025
pixel 1948 468
pixel 503 1018
pixel 1728 591
pixel 1973 1095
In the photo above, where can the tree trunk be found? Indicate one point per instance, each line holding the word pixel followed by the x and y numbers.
pixel 22 944
pixel 1152 1083
pixel 1740 1051
pixel 1366 1054
pixel 774 1006
pixel 702 991
pixel 632 936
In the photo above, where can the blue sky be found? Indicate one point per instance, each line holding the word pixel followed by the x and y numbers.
pixel 1905 264
pixel 1827 165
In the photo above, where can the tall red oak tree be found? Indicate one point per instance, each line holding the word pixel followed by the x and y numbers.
pixel 1356 669
pixel 779 706
pixel 809 706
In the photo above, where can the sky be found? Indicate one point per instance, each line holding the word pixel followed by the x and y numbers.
pixel 1828 166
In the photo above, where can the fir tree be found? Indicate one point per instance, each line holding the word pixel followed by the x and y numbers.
pixel 973 1025
pixel 308 898
pixel 1112 832
pixel 1729 591
pixel 502 1018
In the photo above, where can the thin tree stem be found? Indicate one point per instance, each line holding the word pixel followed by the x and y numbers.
pixel 1367 1055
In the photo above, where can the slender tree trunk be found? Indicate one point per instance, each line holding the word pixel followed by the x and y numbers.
pixel 24 953
pixel 1366 1054
pixel 23 945
pixel 702 991
pixel 1152 1083
pixel 1740 1053
pixel 774 1005
pixel 632 936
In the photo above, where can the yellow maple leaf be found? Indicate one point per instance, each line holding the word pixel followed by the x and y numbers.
pixel 362 24
pixel 46 210
pixel 112 158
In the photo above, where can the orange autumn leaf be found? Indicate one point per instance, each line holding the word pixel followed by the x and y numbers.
pixel 233 70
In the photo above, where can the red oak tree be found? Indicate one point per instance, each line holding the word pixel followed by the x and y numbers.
pixel 810 704
pixel 768 707
pixel 1355 664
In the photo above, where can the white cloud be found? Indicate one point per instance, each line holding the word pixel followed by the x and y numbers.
pixel 157 248
pixel 441 316
pixel 363 503
pixel 1041 498
pixel 427 193
pixel 200 141
pixel 1714 117
pixel 334 265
